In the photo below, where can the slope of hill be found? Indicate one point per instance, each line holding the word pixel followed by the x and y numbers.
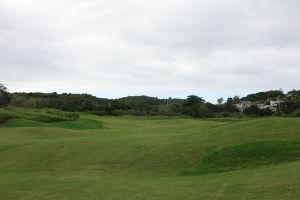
pixel 147 158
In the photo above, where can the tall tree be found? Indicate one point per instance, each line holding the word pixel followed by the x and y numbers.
pixel 194 99
pixel 4 96
pixel 220 100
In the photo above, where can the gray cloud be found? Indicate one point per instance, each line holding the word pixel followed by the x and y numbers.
pixel 160 48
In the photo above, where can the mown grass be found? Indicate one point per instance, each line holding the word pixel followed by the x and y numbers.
pixel 142 158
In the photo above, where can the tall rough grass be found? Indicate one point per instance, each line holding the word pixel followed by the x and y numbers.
pixel 39 115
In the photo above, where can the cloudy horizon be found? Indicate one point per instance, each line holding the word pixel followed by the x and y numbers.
pixel 160 48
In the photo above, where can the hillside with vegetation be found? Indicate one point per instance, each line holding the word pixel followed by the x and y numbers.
pixel 193 105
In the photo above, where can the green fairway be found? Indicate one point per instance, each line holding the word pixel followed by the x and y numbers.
pixel 140 158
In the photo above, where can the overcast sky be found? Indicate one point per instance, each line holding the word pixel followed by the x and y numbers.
pixel 160 48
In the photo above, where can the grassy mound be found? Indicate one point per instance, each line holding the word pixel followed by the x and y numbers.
pixel 41 115
pixel 23 117
pixel 79 124
pixel 252 155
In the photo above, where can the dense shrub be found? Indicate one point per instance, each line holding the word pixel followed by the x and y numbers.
pixel 255 111
pixel 198 110
pixel 5 117
pixel 290 105
pixel 297 113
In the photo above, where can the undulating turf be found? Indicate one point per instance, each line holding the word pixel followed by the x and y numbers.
pixel 150 158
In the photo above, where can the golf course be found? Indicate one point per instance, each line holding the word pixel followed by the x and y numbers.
pixel 149 157
pixel 149 100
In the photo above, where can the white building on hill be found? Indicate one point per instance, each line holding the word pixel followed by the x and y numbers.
pixel 274 105
pixel 263 106
pixel 243 105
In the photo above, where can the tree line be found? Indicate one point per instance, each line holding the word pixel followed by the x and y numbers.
pixel 193 105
